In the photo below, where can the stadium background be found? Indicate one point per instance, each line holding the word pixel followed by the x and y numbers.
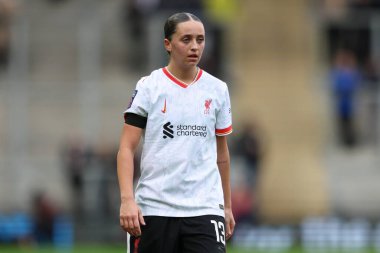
pixel 302 179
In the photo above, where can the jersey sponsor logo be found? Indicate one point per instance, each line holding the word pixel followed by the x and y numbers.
pixel 183 130
pixel 191 130
pixel 132 98
pixel 207 105
pixel 164 108
pixel 168 131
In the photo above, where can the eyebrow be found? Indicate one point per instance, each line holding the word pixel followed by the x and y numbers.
pixel 192 35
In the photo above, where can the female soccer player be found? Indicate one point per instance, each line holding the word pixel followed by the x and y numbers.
pixel 182 202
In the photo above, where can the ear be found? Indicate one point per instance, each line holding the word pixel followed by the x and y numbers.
pixel 168 45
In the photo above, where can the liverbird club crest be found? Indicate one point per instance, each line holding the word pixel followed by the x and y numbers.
pixel 207 105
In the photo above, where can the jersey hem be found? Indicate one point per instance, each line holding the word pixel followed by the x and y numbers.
pixel 176 213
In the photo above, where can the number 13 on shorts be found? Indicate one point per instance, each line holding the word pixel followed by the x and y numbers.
pixel 219 230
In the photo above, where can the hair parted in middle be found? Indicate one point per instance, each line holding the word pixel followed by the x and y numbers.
pixel 172 22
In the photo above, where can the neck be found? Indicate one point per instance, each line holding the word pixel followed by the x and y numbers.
pixel 185 75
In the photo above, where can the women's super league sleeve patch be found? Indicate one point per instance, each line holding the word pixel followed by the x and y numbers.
pixel 132 98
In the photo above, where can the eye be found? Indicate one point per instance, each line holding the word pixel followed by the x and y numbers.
pixel 186 40
pixel 200 39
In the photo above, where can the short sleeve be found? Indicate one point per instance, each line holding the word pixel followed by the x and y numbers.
pixel 139 103
pixel 138 108
pixel 223 117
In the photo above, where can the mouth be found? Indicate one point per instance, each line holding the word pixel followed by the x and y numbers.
pixel 193 57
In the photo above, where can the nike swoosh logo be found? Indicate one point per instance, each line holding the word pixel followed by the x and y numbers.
pixel 164 109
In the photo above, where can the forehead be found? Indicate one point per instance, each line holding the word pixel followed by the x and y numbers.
pixel 190 27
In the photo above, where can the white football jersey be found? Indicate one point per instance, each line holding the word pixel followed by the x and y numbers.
pixel 179 173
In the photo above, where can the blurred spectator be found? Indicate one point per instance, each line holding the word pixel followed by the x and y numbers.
pixel 106 156
pixel 75 158
pixel 75 161
pixel 249 146
pixel 345 80
pixel 44 213
pixel 243 202
pixel 91 171
pixel 6 12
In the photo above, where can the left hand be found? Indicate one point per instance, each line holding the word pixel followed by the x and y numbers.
pixel 230 222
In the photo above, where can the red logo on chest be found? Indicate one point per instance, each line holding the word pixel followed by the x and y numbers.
pixel 207 105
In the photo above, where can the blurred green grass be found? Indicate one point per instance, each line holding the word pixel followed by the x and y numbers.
pixel 92 249
pixel 122 249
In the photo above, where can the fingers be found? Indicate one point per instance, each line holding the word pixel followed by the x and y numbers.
pixel 131 223
pixel 141 218
pixel 133 226
pixel 136 226
pixel 228 232
pixel 122 223
pixel 230 226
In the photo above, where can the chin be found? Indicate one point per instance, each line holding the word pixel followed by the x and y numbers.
pixel 193 63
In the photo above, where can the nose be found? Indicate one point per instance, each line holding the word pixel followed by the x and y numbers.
pixel 194 45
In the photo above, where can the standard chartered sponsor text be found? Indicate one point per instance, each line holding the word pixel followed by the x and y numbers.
pixel 191 130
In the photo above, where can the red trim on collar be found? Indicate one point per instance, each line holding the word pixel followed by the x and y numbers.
pixel 200 72
pixel 179 82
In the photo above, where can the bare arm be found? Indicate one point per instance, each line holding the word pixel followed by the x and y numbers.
pixel 130 213
pixel 223 161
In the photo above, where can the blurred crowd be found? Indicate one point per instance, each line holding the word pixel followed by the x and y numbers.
pixel 354 74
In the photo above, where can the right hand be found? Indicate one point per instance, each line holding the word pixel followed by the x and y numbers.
pixel 131 217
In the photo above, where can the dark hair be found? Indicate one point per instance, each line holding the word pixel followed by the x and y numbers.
pixel 172 22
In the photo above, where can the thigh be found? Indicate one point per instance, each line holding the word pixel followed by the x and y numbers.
pixel 203 234
pixel 159 235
